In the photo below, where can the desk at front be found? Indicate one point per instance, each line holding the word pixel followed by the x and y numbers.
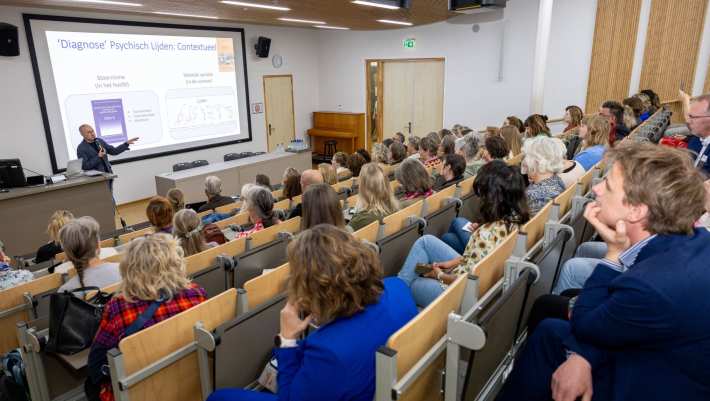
pixel 25 212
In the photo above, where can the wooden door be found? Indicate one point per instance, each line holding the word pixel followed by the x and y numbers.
pixel 413 97
pixel 398 93
pixel 428 97
pixel 278 104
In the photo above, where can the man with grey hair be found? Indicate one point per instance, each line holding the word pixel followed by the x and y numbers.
pixel 698 119
pixel 308 178
pixel 467 146
pixel 213 191
pixel 94 151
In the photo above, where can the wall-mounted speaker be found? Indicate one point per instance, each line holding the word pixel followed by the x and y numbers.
pixel 263 44
pixel 9 45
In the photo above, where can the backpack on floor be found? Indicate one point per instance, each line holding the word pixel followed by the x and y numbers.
pixel 13 382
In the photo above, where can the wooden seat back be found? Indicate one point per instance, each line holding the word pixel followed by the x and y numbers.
pixel 564 200
pixel 228 207
pixel 181 380
pixel 586 181
pixel 282 205
pixel 13 297
pixel 535 227
pixel 205 213
pixel 200 261
pixel 271 234
pixel 127 237
pixel 238 219
pixel 419 335
pixel 436 201
pixel 491 268
pixel 398 220
pixel 278 194
pixel 339 186
pixel 515 160
pixel 267 286
pixel 395 185
pixel 369 232
pixel 107 243
pixel 466 186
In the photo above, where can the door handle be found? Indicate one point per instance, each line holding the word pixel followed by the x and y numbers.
pixel 270 129
pixel 410 128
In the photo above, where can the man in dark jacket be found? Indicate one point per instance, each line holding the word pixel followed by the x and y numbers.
pixel 699 124
pixel 93 151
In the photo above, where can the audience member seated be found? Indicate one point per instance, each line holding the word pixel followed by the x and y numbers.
pixel 176 199
pixel 594 132
pixel 375 199
pixel 399 137
pixel 336 282
pixel 415 181
pixel 427 151
pixel 633 108
pixel 52 248
pixel 699 126
pixel 340 162
pixel 264 181
pixel 640 322
pixel 443 133
pixel 495 148
pixel 387 142
pixel 503 208
pixel 413 147
pixel 573 117
pixel 470 152
pixel 515 122
pixel 10 277
pixel 446 146
pixel 188 231
pixel 379 153
pixel 536 125
pixel 614 112
pixel 397 153
pixel 512 139
pixel 292 183
pixel 571 172
pixel 213 191
pixel 160 214
pixel 365 155
pixel 308 177
pixel 260 205
pixel 543 160
pixel 321 206
pixel 355 163
pixel 451 171
pixel 154 288
pixel 327 172
pixel 654 101
pixel 80 242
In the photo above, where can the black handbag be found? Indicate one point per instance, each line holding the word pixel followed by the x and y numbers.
pixel 74 321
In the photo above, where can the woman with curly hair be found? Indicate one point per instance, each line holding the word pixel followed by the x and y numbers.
pixel 335 282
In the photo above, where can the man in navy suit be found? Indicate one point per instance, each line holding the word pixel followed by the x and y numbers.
pixel 93 151
pixel 698 119
pixel 639 330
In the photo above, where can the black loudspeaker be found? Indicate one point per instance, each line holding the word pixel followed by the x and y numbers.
pixel 262 47
pixel 8 40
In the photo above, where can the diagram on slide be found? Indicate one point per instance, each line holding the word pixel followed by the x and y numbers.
pixel 201 112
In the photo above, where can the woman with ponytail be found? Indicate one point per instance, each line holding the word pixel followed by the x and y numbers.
pixel 187 230
pixel 80 241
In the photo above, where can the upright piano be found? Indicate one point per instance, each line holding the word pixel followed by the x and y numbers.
pixel 347 129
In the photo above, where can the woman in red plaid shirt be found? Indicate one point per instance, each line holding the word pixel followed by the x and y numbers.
pixel 154 276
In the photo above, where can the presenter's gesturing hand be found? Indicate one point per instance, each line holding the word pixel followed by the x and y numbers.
pixel 132 141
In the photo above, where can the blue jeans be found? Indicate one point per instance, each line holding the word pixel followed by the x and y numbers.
pixel 577 270
pixel 457 238
pixel 427 249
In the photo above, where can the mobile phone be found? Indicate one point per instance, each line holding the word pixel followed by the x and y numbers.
pixel 423 268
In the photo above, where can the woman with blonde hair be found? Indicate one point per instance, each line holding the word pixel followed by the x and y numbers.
pixel 155 287
pixel 330 177
pixel 176 199
pixel 53 247
pixel 80 242
pixel 375 199
pixel 512 138
pixel 336 282
pixel 187 229
pixel 379 153
pixel 594 132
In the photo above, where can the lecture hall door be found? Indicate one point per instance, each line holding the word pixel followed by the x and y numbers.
pixel 278 105
pixel 413 97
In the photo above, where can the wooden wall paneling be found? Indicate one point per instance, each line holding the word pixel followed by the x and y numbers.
pixel 672 43
pixel 615 32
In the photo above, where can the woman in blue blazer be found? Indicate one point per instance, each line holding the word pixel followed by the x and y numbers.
pixel 337 281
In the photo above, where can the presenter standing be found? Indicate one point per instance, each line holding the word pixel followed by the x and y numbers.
pixel 93 151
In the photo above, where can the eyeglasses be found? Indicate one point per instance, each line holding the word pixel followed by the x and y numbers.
pixel 692 117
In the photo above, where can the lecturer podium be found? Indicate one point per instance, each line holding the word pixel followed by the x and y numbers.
pixel 25 212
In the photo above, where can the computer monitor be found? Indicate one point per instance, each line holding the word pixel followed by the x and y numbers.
pixel 11 174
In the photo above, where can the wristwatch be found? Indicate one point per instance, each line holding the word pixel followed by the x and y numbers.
pixel 281 342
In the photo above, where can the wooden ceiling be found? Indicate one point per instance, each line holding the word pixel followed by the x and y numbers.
pixel 340 13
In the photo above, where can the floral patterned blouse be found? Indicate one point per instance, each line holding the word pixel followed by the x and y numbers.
pixel 483 241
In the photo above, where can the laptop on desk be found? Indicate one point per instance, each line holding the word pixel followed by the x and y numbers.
pixel 74 169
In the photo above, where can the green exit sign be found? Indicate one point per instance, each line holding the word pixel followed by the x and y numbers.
pixel 410 43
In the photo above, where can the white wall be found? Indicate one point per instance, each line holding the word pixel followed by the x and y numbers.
pixel 22 133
